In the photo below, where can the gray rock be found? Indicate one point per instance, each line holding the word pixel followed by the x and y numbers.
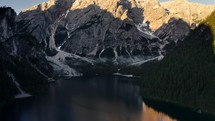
pixel 172 33
pixel 7 23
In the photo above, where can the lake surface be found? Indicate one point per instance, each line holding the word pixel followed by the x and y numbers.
pixel 112 98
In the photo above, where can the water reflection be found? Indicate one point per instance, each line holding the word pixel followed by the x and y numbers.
pixel 87 99
pixel 149 114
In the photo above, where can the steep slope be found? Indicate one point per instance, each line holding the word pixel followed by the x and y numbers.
pixel 93 28
pixel 186 75
pixel 172 33
pixel 190 12
pixel 90 33
pixel 102 34
pixel 7 17
pixel 24 68
pixel 98 28
pixel 160 13
pixel 41 21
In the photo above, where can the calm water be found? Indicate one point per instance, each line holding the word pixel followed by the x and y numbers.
pixel 96 99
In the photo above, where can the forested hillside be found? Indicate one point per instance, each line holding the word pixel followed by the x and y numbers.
pixel 187 75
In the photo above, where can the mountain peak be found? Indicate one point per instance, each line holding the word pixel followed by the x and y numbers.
pixel 158 14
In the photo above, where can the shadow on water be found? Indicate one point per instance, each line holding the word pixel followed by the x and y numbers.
pixel 110 98
pixel 179 112
pixel 86 99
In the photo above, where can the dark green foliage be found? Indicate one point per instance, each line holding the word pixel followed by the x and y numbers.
pixel 210 21
pixel 185 76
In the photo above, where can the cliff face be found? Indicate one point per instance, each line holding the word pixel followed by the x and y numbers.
pixel 7 87
pixel 23 64
pixel 159 13
pixel 89 27
pixel 172 33
pixel 92 28
pixel 85 32
pixel 7 23
pixel 42 20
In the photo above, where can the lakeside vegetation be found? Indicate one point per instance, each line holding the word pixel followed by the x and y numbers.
pixel 186 76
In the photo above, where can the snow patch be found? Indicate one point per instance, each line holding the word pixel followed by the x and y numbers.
pixel 66 13
pixel 124 75
pixel 145 32
pixel 159 58
pixel 58 64
pixel 116 56
pixel 101 54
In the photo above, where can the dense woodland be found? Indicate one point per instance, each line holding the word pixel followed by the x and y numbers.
pixel 187 74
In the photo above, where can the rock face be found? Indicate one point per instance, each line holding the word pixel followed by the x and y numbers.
pixel 154 13
pixel 159 13
pixel 72 34
pixel 7 26
pixel 22 61
pixel 93 29
pixel 42 21
pixel 112 31
pixel 172 33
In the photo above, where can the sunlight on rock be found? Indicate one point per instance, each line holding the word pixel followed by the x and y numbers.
pixel 116 7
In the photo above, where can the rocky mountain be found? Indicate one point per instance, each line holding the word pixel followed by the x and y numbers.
pixel 96 32
pixel 86 33
pixel 160 13
pixel 7 23
pixel 42 20
pixel 74 34
pixel 75 37
pixel 24 67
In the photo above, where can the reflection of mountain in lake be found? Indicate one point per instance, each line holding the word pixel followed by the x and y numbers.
pixel 85 109
pixel 149 114
pixel 86 99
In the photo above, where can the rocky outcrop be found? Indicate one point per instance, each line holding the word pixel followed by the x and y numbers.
pixel 172 33
pixel 22 61
pixel 160 13
pixel 154 13
pixel 96 31
pixel 97 28
pixel 42 20
pixel 7 26
pixel 93 29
